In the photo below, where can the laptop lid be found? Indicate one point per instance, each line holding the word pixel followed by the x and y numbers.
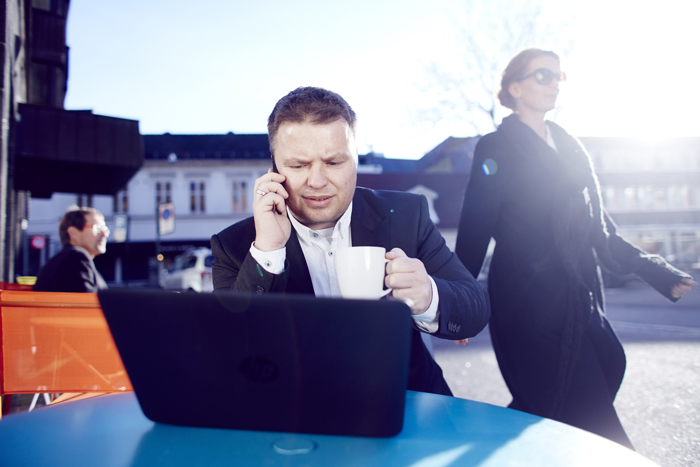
pixel 290 363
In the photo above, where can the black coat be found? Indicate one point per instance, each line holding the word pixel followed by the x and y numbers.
pixel 379 218
pixel 548 325
pixel 71 270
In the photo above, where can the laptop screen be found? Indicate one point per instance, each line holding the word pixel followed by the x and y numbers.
pixel 291 363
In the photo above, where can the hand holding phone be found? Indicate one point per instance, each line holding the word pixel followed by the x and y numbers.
pixel 272 227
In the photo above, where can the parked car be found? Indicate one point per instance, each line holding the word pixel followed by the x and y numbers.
pixel 191 271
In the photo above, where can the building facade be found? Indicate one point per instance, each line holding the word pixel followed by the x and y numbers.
pixel 209 180
pixel 651 191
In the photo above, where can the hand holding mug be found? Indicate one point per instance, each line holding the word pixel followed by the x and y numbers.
pixel 272 227
pixel 410 281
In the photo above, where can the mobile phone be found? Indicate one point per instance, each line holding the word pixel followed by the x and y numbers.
pixel 274 169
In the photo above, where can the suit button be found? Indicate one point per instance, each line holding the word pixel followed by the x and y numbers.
pixel 259 290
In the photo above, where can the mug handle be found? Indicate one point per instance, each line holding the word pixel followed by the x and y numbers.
pixel 385 292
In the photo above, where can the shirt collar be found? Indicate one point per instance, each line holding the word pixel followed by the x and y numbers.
pixel 342 227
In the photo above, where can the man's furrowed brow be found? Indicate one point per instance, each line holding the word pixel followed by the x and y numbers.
pixel 296 161
pixel 338 156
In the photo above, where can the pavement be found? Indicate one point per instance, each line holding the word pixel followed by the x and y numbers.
pixel 659 401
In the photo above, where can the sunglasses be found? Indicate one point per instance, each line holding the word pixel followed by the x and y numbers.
pixel 98 228
pixel 544 76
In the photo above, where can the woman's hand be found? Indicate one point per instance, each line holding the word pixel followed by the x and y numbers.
pixel 683 287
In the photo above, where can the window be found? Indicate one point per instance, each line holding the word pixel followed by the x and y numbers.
pixel 184 262
pixel 84 201
pixel 239 196
pixel 609 193
pixel 42 4
pixel 646 197
pixel 54 6
pixel 661 198
pixel 198 197
pixel 121 202
pixel 190 262
pixel 694 197
pixel 631 197
pixel 675 197
pixel 163 193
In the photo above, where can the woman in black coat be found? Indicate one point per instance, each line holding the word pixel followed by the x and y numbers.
pixel 533 190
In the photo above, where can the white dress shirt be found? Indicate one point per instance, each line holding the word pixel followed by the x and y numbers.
pixel 319 248
pixel 550 140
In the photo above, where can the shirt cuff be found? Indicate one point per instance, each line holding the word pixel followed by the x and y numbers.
pixel 428 321
pixel 271 261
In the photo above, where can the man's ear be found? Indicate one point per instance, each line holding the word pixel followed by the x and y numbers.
pixel 72 232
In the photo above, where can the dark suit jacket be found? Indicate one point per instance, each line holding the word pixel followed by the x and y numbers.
pixel 542 318
pixel 379 218
pixel 71 270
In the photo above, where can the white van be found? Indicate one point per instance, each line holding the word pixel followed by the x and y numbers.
pixel 191 271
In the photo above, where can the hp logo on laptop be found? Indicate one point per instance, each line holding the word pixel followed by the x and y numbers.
pixel 259 369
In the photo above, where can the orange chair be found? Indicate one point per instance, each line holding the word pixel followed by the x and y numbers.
pixel 56 343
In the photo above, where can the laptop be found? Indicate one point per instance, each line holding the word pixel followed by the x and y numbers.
pixel 286 363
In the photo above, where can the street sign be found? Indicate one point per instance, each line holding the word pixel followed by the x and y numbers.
pixel 166 218
pixel 119 232
pixel 38 242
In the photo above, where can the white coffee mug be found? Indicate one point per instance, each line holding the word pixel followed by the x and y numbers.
pixel 360 271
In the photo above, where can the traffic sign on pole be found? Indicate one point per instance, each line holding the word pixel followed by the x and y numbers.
pixel 166 218
pixel 38 242
pixel 120 225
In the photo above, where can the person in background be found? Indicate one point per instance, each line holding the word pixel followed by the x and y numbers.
pixel 308 205
pixel 84 236
pixel 533 189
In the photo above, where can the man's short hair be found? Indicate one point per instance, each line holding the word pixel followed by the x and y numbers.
pixel 75 217
pixel 309 104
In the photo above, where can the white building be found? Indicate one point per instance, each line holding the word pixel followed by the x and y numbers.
pixel 208 178
pixel 652 191
pixel 209 191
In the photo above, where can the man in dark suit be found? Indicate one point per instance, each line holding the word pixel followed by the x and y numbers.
pixel 83 235
pixel 308 205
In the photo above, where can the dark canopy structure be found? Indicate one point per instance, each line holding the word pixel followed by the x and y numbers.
pixel 74 151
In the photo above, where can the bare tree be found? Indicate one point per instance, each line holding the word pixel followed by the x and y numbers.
pixel 463 87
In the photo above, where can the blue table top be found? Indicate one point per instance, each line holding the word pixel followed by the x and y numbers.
pixel 438 431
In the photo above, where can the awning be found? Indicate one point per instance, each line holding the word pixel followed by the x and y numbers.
pixel 74 151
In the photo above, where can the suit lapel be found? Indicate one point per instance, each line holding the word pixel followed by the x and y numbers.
pixel 299 279
pixel 365 224
pixel 531 147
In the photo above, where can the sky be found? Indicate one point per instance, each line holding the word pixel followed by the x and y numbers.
pixel 216 66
